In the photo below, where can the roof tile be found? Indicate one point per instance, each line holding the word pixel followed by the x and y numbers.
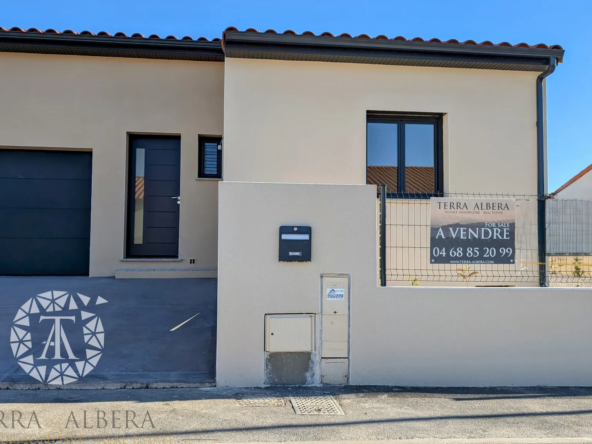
pixel 136 35
pixel 416 39
pixel 287 32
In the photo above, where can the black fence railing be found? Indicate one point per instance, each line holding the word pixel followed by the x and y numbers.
pixel 411 253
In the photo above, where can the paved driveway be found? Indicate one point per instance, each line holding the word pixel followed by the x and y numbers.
pixel 107 331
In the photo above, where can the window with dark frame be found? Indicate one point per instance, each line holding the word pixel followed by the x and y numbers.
pixel 404 152
pixel 210 158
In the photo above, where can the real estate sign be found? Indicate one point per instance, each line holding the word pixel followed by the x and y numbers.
pixel 472 231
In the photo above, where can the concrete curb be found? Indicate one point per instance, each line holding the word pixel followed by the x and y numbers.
pixel 446 441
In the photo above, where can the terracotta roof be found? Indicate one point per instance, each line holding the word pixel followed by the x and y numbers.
pixel 104 34
pixel 573 179
pixel 287 32
pixel 417 179
pixel 400 38
pixel 287 46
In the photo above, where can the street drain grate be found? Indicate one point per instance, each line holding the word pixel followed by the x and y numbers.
pixel 316 405
pixel 261 402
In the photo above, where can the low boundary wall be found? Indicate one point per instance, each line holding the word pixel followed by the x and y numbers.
pixel 398 335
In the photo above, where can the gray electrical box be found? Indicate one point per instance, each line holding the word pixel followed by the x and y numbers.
pixel 295 244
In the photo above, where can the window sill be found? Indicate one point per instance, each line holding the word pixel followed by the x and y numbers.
pixel 215 179
pixel 150 259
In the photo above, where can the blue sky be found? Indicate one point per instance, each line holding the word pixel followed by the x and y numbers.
pixel 566 22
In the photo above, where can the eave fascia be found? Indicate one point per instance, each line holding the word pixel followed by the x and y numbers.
pixel 391 52
pixel 109 46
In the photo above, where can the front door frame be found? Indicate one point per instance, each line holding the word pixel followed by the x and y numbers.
pixel 130 194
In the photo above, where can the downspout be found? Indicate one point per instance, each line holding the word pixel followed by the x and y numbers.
pixel 541 173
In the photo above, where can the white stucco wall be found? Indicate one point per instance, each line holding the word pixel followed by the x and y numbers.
pixel 581 189
pixel 305 122
pixel 399 335
pixel 92 103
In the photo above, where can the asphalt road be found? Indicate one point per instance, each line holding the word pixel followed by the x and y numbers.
pixel 517 415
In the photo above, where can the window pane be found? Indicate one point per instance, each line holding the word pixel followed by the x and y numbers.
pixel 382 152
pixel 210 159
pixel 420 174
pixel 139 196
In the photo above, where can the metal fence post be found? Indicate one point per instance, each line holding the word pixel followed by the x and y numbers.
pixel 383 235
pixel 542 240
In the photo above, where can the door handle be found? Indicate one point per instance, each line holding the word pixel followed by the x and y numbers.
pixel 178 199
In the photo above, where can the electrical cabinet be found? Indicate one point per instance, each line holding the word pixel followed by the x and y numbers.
pixel 335 295
pixel 335 329
pixel 289 333
pixel 335 371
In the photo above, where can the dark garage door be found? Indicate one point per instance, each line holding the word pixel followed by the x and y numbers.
pixel 44 212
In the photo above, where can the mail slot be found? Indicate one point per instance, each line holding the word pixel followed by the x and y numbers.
pixel 295 244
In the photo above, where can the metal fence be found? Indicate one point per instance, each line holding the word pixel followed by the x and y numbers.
pixel 569 227
pixel 405 244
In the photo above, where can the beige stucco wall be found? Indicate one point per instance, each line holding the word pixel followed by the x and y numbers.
pixel 305 122
pixel 399 335
pixel 92 103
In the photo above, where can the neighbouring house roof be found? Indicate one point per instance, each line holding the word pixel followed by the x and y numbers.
pixel 417 179
pixel 287 46
pixel 139 190
pixel 573 179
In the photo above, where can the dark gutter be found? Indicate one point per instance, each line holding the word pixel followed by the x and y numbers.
pixel 542 173
pixel 108 46
pixel 383 197
pixel 391 52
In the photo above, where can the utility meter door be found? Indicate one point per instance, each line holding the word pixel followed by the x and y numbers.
pixel 335 295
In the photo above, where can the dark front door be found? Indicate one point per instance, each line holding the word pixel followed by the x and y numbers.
pixel 153 197
pixel 45 212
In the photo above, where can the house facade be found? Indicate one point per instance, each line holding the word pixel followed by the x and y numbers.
pixel 287 109
pixel 147 157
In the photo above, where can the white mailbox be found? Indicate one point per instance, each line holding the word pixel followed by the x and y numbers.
pixel 289 333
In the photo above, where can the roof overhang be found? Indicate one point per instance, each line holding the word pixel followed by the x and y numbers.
pixel 111 46
pixel 273 46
